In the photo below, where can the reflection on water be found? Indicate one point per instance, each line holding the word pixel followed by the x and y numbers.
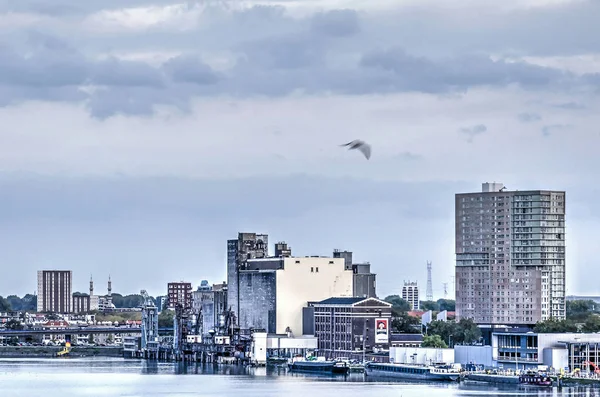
pixel 118 377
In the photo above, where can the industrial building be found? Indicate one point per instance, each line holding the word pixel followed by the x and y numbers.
pixel 273 291
pixel 510 256
pixel 364 283
pixel 421 355
pixel 179 293
pixel 410 293
pixel 346 325
pixel 246 246
pixel 211 303
pixel 54 291
pixel 265 346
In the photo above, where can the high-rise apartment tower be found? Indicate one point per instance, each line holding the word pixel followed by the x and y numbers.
pixel 510 255
pixel 54 291
pixel 410 293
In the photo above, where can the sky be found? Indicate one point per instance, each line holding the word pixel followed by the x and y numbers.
pixel 137 136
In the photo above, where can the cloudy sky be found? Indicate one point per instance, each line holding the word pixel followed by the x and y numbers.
pixel 138 135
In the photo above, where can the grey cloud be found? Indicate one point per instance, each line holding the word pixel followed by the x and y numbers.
pixel 284 52
pixel 529 117
pixel 406 72
pixel 547 130
pixel 570 106
pixel 336 23
pixel 282 56
pixel 472 132
pixel 114 72
pixel 74 7
pixel 188 69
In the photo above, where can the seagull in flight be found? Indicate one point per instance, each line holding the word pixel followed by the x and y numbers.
pixel 364 147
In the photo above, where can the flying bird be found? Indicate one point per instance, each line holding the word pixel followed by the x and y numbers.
pixel 364 147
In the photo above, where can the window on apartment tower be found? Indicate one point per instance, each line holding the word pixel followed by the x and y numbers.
pixel 317 270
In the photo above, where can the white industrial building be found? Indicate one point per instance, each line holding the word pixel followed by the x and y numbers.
pixel 273 291
pixel 421 355
pixel 269 345
pixel 478 355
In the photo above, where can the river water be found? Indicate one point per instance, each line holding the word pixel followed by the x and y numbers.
pixel 97 377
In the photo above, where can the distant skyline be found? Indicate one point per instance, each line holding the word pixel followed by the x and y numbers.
pixel 139 135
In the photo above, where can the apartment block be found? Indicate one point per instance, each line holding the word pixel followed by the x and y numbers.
pixel 54 291
pixel 510 255
pixel 180 293
pixel 410 293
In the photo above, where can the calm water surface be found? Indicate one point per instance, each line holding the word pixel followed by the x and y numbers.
pixel 99 377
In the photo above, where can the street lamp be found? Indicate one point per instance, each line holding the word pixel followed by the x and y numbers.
pixel 449 339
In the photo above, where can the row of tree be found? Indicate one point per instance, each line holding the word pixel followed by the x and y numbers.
pixel 438 333
pixel 400 305
pixel 13 303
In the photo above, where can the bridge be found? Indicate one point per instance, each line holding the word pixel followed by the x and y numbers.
pixel 80 331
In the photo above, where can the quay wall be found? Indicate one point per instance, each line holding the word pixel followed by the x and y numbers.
pixel 50 351
pixel 493 378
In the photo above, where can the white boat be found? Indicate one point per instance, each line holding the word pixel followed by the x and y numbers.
pixel 445 373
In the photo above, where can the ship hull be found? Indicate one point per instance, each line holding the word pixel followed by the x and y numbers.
pixel 318 367
pixel 410 373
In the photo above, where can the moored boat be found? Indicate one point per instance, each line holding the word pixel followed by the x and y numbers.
pixel 331 367
pixel 446 373
pixel 535 379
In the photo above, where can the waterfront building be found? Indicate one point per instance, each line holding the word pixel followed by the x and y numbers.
pixel 274 291
pixel 282 250
pixel 364 283
pixel 347 256
pixel 180 293
pixel 54 291
pixel 421 355
pixel 211 303
pixel 247 246
pixel 510 256
pixel 410 293
pixel 406 340
pixel 265 346
pixel 347 325
pixel 529 350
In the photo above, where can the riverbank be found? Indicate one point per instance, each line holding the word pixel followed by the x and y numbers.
pixel 50 351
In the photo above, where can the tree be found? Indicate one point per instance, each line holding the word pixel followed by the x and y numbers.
pixel 404 323
pixel 553 326
pixel 444 329
pixel 464 332
pixel 399 305
pixel 4 305
pixel 592 324
pixel 128 301
pixel 446 304
pixel 13 325
pixel 434 341
pixel 165 319
pixel 430 305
